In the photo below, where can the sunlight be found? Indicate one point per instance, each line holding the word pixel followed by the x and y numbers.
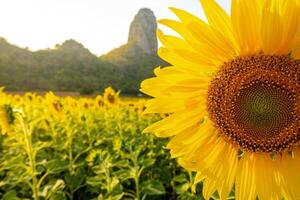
pixel 99 25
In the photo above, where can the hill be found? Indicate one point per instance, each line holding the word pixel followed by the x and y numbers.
pixel 72 67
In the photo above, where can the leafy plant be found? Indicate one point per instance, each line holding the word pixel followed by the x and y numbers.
pixel 85 148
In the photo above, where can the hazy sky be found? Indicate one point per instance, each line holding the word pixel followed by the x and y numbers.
pixel 99 25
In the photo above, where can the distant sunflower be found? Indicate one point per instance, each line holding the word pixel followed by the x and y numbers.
pixel 54 102
pixel 99 101
pixel 233 95
pixel 110 96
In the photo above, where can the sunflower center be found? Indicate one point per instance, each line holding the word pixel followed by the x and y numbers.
pixel 254 102
pixel 262 110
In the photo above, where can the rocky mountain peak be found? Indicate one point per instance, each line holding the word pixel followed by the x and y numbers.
pixel 142 40
pixel 142 32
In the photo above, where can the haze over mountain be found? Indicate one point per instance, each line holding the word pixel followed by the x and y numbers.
pixel 71 67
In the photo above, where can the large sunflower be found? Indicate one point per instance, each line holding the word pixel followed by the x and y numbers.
pixel 233 95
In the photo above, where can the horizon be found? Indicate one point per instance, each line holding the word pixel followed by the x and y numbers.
pixel 59 22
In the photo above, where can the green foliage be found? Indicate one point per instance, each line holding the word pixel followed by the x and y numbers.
pixel 87 151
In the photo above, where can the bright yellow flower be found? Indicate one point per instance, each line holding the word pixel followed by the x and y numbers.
pixel 140 106
pixel 99 101
pixel 110 96
pixel 233 95
pixel 54 105
pixel 54 102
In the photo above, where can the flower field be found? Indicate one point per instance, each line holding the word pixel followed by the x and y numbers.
pixel 85 148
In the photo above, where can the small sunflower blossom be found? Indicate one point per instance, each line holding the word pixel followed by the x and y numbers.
pixel 140 107
pixel 54 105
pixel 111 97
pixel 232 95
pixel 99 101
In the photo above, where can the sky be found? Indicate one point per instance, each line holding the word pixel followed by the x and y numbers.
pixel 100 25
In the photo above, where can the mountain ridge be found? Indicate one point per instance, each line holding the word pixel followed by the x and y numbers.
pixel 70 66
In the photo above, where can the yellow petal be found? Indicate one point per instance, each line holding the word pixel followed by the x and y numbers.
pixel 214 158
pixel 212 41
pixel 296 46
pixel 205 39
pixel 290 180
pixel 172 81
pixel 185 60
pixel 181 48
pixel 271 27
pixel 192 136
pixel 204 138
pixel 228 171
pixel 195 90
pixel 209 188
pixel 266 178
pixel 198 178
pixel 172 41
pixel 245 181
pixel 296 49
pixel 220 164
pixel 219 19
pixel 166 77
pixel 246 23
pixel 180 149
pixel 175 123
pixel 290 16
pixel 205 153
pixel 165 105
pixel 279 26
pixel 181 29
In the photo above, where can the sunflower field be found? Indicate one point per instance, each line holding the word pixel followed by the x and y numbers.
pixel 85 148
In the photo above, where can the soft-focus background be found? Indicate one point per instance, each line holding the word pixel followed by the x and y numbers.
pixel 84 139
pixel 82 46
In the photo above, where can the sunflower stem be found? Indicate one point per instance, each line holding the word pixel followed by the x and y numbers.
pixel 31 156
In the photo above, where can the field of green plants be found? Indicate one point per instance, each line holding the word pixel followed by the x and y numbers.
pixel 61 148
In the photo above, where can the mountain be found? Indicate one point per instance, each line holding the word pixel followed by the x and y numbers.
pixel 72 67
pixel 141 40
pixel 138 57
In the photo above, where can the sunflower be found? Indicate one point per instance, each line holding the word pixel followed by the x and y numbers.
pixel 110 96
pixel 232 92
pixel 54 106
pixel 99 101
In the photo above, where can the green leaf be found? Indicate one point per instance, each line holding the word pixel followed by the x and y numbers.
pixel 180 178
pixel 152 187
pixel 115 181
pixel 121 163
pixel 190 196
pixel 122 174
pixel 59 185
pixel 165 174
pixel 56 166
pixel 147 162
pixel 58 196
pixel 94 181
pixel 75 180
pixel 118 196
pixel 52 188
pixel 182 188
pixel 10 195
